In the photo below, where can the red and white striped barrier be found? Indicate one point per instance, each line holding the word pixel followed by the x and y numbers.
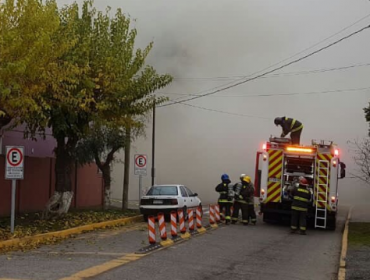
pixel 199 216
pixel 223 214
pixel 217 213
pixel 151 229
pixel 162 226
pixel 180 213
pixel 191 219
pixel 173 224
pixel 211 214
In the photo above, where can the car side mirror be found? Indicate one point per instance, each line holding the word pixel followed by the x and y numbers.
pixel 342 170
pixel 195 194
pixel 342 173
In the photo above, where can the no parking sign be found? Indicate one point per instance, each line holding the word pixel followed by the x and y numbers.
pixel 14 162
pixel 140 165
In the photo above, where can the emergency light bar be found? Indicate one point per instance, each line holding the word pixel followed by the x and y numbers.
pixel 302 150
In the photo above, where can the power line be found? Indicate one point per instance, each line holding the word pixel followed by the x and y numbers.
pixel 315 71
pixel 316 44
pixel 308 48
pixel 266 95
pixel 298 93
pixel 271 71
pixel 224 112
pixel 296 73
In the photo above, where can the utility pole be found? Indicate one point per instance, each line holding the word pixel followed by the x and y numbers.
pixel 153 146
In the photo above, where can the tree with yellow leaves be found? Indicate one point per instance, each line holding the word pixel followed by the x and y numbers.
pixel 82 69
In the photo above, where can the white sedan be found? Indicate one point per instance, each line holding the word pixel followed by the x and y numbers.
pixel 168 198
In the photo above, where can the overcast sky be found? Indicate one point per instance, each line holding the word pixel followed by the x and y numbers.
pixel 198 40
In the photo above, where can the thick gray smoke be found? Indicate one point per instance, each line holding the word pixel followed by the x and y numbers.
pixel 198 40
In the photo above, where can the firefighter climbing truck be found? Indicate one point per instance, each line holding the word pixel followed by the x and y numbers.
pixel 278 167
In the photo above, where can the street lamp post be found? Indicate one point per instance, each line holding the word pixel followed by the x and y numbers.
pixel 153 146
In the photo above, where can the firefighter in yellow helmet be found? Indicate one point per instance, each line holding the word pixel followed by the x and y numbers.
pixel 247 193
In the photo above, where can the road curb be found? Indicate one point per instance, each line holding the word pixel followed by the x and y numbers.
pixel 343 254
pixel 17 242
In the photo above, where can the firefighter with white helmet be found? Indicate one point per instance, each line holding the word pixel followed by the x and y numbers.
pixel 301 198
pixel 238 200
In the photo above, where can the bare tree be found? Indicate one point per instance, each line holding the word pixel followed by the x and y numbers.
pixel 361 157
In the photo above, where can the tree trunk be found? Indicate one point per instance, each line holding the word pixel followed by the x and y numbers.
pixel 107 184
pixel 61 200
pixel 126 173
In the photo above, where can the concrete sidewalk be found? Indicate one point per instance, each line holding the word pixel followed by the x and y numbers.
pixel 358 256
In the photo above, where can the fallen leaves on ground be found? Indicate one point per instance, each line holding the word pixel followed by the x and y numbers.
pixel 32 224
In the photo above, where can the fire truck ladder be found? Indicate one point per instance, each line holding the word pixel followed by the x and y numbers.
pixel 322 196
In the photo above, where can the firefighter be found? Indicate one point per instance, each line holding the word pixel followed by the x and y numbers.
pixel 237 188
pixel 225 200
pixel 291 126
pixel 248 195
pixel 301 198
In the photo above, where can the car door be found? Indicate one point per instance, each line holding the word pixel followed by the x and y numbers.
pixel 193 199
pixel 184 197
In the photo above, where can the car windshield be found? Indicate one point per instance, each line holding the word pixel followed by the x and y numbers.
pixel 163 190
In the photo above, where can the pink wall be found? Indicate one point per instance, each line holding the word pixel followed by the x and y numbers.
pixel 38 185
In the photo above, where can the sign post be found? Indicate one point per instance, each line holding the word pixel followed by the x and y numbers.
pixel 140 169
pixel 14 162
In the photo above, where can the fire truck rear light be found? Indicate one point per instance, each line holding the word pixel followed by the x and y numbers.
pixel 264 157
pixel 302 150
pixel 334 163
pixel 333 199
pixel 336 152
pixel 263 192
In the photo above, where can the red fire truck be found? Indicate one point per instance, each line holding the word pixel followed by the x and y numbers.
pixel 278 167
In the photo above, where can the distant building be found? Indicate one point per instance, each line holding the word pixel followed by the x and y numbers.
pixel 42 148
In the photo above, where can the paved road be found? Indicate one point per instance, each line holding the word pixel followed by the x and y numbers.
pixel 236 252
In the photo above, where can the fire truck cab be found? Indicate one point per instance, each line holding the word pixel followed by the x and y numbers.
pixel 278 167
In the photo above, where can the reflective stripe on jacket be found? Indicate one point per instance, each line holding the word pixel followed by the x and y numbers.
pixel 223 190
pixel 301 198
pixel 247 193
pixel 290 125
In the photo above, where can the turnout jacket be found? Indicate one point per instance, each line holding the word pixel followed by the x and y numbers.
pixel 247 192
pixel 290 125
pixel 301 198
pixel 223 190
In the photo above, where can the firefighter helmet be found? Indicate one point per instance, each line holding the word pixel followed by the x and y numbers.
pixel 303 181
pixel 242 176
pixel 247 179
pixel 278 121
pixel 225 177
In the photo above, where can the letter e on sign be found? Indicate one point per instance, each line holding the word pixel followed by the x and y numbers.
pixel 14 162
pixel 140 165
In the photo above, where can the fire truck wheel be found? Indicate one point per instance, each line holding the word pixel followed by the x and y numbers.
pixel 331 223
